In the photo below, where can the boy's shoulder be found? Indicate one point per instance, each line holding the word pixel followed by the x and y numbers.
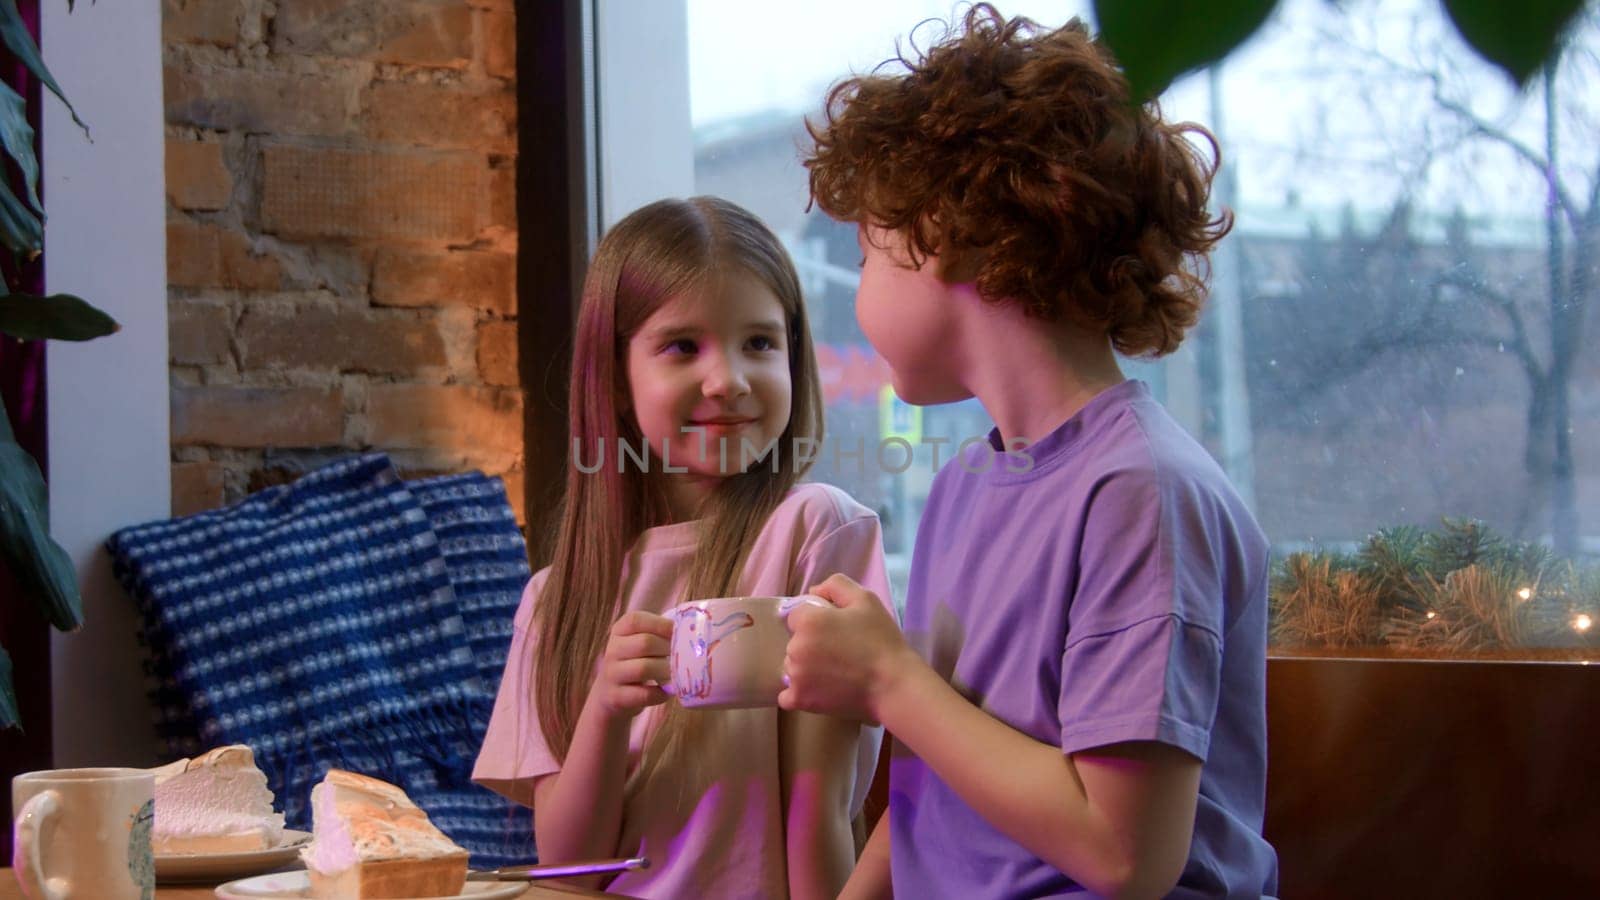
pixel 1156 464
pixel 1125 444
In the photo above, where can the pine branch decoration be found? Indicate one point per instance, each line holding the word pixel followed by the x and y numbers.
pixel 1473 607
pixel 1457 544
pixel 1391 559
pixel 1457 590
pixel 1321 601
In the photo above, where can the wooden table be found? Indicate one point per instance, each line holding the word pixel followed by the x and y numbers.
pixel 11 890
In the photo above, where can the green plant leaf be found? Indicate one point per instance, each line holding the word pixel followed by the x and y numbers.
pixel 60 317
pixel 10 716
pixel 14 34
pixel 20 229
pixel 42 569
pixel 1517 37
pixel 1156 41
pixel 17 136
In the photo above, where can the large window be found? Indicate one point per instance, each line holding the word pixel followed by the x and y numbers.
pixel 1393 368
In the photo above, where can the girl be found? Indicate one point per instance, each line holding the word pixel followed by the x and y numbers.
pixel 692 357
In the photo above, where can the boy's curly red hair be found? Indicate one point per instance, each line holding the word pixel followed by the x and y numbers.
pixel 1014 155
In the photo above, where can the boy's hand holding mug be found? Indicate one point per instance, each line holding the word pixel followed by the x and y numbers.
pixel 844 659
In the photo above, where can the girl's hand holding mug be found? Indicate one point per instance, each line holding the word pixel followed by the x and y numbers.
pixel 634 664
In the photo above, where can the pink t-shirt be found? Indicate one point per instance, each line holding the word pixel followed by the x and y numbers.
pixel 717 831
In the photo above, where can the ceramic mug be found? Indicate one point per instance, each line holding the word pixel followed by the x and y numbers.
pixel 83 833
pixel 727 653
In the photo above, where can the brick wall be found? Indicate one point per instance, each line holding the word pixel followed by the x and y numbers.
pixel 341 239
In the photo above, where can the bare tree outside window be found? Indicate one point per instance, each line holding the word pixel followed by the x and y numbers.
pixel 1418 360
pixel 1497 293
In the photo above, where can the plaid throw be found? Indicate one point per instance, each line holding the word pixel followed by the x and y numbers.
pixel 348 619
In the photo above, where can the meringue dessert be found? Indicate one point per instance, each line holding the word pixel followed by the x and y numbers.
pixel 369 841
pixel 217 802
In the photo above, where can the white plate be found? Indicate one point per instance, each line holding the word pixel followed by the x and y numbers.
pixel 295 885
pixel 177 868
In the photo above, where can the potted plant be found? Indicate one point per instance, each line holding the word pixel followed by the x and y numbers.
pixel 41 567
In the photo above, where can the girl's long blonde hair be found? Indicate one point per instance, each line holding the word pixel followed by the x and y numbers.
pixel 653 255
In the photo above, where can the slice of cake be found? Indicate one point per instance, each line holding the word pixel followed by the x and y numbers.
pixel 217 802
pixel 369 841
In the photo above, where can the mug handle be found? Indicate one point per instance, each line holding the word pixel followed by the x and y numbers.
pixel 666 686
pixel 788 605
pixel 25 859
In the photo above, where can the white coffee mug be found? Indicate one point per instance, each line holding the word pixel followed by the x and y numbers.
pixel 727 653
pixel 83 833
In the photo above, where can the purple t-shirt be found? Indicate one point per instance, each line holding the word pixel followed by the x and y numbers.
pixel 1114 591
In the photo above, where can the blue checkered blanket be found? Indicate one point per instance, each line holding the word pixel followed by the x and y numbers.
pixel 349 619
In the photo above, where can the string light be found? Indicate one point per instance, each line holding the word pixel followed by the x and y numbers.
pixel 1525 594
pixel 1581 622
pixel 1431 614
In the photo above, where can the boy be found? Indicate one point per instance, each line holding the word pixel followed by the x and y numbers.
pixel 1078 699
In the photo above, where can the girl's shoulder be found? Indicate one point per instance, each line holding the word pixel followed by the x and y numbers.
pixel 815 531
pixel 530 597
pixel 818 508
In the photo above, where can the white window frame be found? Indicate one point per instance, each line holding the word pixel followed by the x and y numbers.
pixel 110 451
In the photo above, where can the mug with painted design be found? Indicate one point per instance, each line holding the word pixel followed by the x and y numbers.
pixel 727 652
